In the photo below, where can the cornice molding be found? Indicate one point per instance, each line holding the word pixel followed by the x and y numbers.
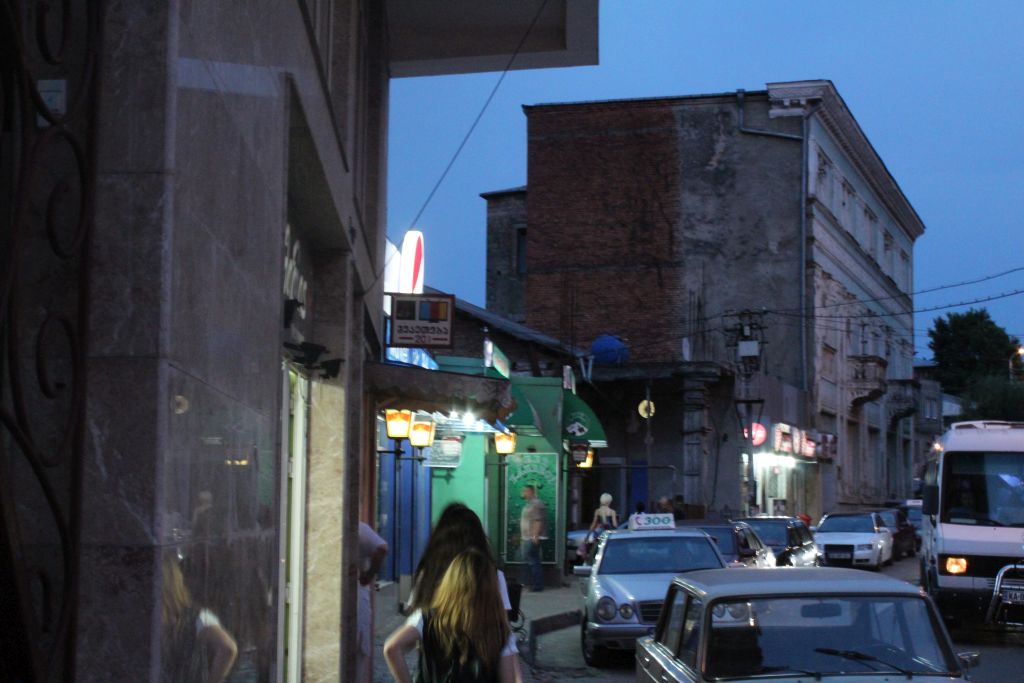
pixel 793 98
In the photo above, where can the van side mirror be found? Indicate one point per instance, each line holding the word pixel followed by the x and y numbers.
pixel 930 500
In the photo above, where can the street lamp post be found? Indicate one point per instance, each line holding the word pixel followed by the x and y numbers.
pixel 1019 353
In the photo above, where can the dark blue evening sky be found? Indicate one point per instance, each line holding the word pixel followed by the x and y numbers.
pixel 938 87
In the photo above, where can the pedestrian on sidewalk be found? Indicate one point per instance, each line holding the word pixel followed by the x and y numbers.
pixel 604 516
pixel 464 636
pixel 372 550
pixel 532 530
pixel 457 529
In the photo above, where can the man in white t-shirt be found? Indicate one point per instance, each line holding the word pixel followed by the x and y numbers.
pixel 372 550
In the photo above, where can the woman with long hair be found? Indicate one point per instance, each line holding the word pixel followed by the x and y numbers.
pixel 457 529
pixel 463 635
pixel 195 647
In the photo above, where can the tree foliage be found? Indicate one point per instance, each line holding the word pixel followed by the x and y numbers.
pixel 968 347
pixel 994 398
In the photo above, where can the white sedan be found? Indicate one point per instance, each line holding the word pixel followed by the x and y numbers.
pixel 854 539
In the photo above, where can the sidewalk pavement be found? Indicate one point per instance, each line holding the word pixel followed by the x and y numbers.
pixel 552 609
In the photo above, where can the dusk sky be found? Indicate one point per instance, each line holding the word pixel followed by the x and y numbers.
pixel 938 88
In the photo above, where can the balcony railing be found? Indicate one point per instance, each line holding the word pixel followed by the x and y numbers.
pixel 867 379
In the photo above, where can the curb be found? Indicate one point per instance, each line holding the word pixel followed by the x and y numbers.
pixel 538 627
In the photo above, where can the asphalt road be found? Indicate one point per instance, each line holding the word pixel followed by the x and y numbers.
pixel 1002 655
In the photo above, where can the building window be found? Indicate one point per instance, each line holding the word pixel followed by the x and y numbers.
pixel 521 251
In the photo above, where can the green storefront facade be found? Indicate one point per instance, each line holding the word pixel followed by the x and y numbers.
pixel 546 419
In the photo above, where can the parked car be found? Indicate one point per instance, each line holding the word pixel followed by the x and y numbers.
pixel 738 543
pixel 625 580
pixel 789 538
pixel 854 539
pixel 904 541
pixel 576 537
pixel 803 624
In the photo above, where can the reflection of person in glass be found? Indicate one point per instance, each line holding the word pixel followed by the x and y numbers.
pixel 195 645
pixel 532 530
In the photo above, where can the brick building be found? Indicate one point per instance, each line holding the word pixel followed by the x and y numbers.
pixel 754 256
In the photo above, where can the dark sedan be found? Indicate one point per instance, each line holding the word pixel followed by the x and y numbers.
pixel 789 538
pixel 737 542
pixel 904 539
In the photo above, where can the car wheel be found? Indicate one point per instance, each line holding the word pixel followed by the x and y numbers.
pixel 593 654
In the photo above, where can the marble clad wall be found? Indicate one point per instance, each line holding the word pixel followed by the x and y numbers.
pixel 183 419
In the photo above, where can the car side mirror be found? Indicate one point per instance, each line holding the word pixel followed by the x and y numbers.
pixel 582 570
pixel 930 500
pixel 969 660
pixel 747 552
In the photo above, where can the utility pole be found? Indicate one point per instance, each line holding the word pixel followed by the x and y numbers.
pixel 747 338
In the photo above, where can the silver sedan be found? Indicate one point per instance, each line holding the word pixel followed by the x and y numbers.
pixel 625 581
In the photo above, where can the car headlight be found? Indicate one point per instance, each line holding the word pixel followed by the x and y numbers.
pixel 626 611
pixel 865 546
pixel 956 565
pixel 606 608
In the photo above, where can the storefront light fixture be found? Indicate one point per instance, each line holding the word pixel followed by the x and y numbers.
pixel 588 461
pixel 774 460
pixel 505 442
pixel 468 420
pixel 421 431
pixel 399 423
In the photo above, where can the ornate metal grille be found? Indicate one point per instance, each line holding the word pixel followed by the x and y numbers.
pixel 48 56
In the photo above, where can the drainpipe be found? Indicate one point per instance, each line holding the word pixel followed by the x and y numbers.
pixel 803 138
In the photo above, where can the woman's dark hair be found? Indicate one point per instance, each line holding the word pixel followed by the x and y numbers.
pixel 457 529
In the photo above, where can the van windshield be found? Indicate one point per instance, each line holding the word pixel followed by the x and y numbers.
pixel 983 489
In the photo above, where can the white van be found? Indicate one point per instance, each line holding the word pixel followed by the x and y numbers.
pixel 972 554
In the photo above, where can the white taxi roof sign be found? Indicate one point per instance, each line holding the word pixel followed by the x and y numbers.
pixel 646 522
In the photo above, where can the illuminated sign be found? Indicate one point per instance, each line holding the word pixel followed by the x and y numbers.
pixel 789 439
pixel 757 434
pixel 423 320
pixel 494 358
pixel 645 522
pixel 410 275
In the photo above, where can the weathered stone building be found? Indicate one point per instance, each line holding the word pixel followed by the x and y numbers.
pixel 755 256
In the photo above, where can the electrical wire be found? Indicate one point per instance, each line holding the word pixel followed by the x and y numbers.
pixel 472 127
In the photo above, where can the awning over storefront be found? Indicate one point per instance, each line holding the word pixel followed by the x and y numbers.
pixel 579 423
pixel 524 419
pixel 416 388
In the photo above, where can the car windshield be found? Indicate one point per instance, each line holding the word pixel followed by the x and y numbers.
pixel 854 635
pixel 723 537
pixel 847 523
pixel 889 518
pixel 655 555
pixel 772 532
pixel 984 488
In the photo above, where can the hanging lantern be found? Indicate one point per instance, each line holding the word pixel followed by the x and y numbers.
pixel 421 434
pixel 505 442
pixel 398 423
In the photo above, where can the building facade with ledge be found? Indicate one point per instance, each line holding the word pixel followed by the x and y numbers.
pixel 755 257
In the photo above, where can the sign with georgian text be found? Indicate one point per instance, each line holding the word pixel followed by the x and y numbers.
pixel 422 320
